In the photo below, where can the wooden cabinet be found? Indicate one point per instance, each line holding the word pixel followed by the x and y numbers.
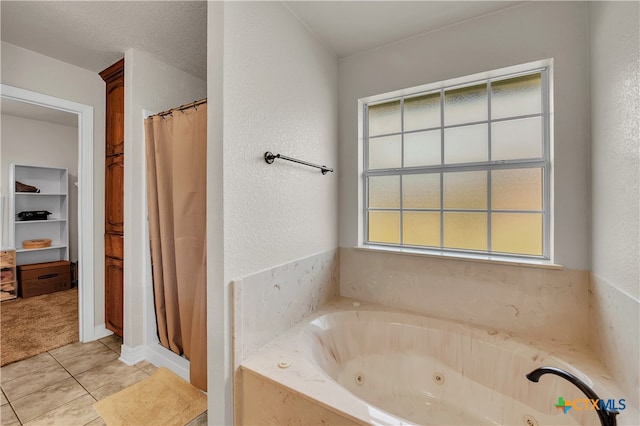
pixel 114 197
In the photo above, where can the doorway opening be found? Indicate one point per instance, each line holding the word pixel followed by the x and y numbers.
pixel 84 212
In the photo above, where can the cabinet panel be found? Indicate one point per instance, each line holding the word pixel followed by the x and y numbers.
pixel 114 246
pixel 114 194
pixel 115 117
pixel 114 273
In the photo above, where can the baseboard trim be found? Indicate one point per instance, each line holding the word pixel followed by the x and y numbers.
pixel 156 355
pixel 100 331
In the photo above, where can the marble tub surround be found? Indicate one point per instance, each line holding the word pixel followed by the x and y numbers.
pixel 270 302
pixel 536 303
pixel 312 357
pixel 614 327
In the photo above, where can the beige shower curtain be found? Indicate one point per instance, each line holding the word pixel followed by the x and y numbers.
pixel 176 195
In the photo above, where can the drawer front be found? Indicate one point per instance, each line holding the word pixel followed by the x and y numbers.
pixel 39 274
pixel 37 287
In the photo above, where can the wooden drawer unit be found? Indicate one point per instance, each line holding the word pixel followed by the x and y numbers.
pixel 42 278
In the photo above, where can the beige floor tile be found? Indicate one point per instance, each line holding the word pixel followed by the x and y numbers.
pixel 17 369
pixel 201 420
pixel 45 400
pixel 32 382
pixel 89 359
pixel 74 350
pixel 116 386
pixel 113 342
pixel 96 422
pixel 4 399
pixel 79 411
pixel 7 416
pixel 112 371
pixel 147 367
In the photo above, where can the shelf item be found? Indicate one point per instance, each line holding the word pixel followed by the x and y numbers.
pixel 36 244
pixel 8 275
pixel 41 216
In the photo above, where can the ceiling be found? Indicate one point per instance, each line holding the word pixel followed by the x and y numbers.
pixel 95 34
pixel 351 27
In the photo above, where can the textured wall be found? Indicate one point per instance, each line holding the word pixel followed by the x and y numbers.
pixel 32 71
pixel 154 86
pixel 280 95
pixel 615 108
pixel 529 32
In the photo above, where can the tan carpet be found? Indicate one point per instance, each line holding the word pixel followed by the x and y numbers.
pixel 162 399
pixel 38 324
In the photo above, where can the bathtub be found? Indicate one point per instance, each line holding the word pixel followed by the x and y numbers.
pixel 365 364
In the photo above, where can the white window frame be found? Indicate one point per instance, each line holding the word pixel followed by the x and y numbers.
pixel 544 162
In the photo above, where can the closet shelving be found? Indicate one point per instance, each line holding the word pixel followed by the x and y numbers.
pixel 53 197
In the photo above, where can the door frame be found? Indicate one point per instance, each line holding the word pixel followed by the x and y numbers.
pixel 86 246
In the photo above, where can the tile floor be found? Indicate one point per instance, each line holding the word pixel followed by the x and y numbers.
pixel 59 387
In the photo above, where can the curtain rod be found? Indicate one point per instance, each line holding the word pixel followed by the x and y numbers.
pixel 182 107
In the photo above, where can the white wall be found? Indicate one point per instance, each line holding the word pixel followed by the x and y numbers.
pixel 32 71
pixel 279 93
pixel 615 134
pixel 39 143
pixel 154 86
pixel 521 34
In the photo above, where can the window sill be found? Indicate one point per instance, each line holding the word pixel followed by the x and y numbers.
pixel 500 260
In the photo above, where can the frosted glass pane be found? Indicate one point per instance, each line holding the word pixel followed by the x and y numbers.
pixel 465 190
pixel 422 112
pixel 385 152
pixel 421 191
pixel 384 227
pixel 465 231
pixel 384 192
pixel 516 233
pixel 516 189
pixel 465 105
pixel 516 139
pixel 466 144
pixel 516 96
pixel 422 148
pixel 384 118
pixel 421 228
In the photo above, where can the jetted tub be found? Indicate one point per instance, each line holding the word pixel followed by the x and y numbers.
pixel 369 365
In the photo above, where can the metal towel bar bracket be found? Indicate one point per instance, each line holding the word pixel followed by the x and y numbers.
pixel 270 157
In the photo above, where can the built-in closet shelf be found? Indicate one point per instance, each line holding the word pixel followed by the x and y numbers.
pixel 51 247
pixel 30 222
pixel 53 197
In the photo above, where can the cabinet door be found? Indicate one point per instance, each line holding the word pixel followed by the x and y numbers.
pixel 114 275
pixel 114 195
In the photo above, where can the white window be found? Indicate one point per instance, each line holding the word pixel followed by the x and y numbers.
pixel 461 168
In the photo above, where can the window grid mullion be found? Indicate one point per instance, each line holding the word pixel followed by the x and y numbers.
pixel 442 172
pixel 401 236
pixel 489 172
